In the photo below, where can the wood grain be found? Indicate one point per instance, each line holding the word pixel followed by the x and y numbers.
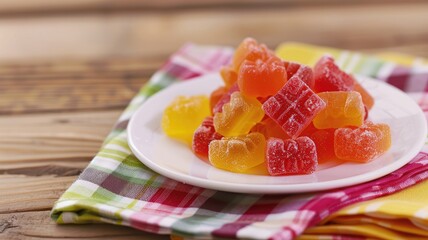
pixel 68 68
pixel 154 34
pixel 37 225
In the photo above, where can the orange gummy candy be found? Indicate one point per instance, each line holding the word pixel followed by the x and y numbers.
pixel 262 78
pixel 269 128
pixel 343 109
pixel 249 49
pixel 238 116
pixel 238 154
pixel 228 75
pixel 362 144
pixel 367 98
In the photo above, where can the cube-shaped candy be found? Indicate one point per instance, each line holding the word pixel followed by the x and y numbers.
pixel 181 118
pixel 362 144
pixel 238 116
pixel 294 106
pixel 225 98
pixel 324 142
pixel 290 157
pixel 228 75
pixel 302 71
pixel 261 78
pixel 343 109
pixel 204 134
pixel 329 77
pixel 238 154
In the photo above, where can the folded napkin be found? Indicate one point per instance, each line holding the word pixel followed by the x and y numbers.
pixel 117 188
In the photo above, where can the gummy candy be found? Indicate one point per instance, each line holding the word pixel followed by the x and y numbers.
pixel 238 116
pixel 216 95
pixel 225 98
pixel 329 77
pixel 238 154
pixel 309 130
pixel 302 71
pixel 181 118
pixel 269 128
pixel 290 157
pixel 362 144
pixel 367 98
pixel 262 78
pixel 204 134
pixel 294 106
pixel 228 75
pixel 249 49
pixel 324 142
pixel 343 109
pixel 260 169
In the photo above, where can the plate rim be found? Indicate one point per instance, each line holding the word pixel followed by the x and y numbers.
pixel 280 188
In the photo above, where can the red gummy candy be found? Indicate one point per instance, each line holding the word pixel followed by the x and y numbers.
pixel 291 157
pixel 304 72
pixel 204 134
pixel 324 141
pixel 294 106
pixel 328 77
pixel 225 98
pixel 216 95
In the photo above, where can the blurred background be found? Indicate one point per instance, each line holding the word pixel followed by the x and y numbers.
pixel 99 29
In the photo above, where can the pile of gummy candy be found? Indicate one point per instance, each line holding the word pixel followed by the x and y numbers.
pixel 282 117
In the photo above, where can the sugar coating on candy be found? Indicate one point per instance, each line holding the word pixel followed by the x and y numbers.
pixel 367 98
pixel 204 134
pixel 343 109
pixel 293 107
pixel 329 77
pixel 238 116
pixel 251 50
pixel 225 98
pixel 302 71
pixel 291 157
pixel 183 116
pixel 362 144
pixel 324 142
pixel 262 78
pixel 238 154
pixel 228 75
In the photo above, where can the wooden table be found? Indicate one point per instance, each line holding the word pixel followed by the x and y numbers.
pixel 68 68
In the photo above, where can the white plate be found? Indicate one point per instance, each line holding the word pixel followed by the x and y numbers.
pixel 175 160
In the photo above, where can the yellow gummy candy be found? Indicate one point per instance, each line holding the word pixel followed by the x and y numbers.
pixel 238 116
pixel 343 109
pixel 238 154
pixel 184 115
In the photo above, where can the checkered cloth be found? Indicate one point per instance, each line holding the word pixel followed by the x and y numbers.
pixel 117 188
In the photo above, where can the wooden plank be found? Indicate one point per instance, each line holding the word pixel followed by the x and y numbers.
pixel 52 6
pixel 37 224
pixel 73 92
pixel 152 34
pixel 63 140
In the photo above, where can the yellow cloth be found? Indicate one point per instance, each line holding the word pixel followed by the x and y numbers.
pixel 403 215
